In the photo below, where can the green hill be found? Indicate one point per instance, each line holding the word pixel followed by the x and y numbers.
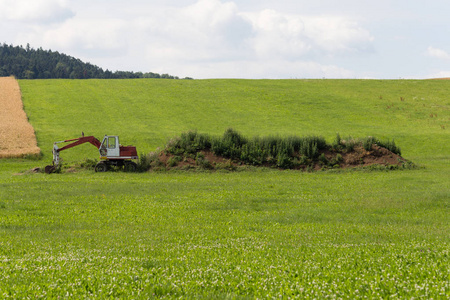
pixel 147 112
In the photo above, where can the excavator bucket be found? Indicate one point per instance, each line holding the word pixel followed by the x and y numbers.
pixel 50 169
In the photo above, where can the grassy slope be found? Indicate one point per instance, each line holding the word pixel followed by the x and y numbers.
pixel 148 112
pixel 260 233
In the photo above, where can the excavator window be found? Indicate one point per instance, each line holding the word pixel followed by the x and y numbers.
pixel 111 142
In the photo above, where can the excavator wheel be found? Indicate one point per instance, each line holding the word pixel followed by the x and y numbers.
pixel 130 166
pixel 50 169
pixel 101 167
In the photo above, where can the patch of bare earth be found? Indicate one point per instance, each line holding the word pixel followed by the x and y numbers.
pixel 17 136
pixel 377 156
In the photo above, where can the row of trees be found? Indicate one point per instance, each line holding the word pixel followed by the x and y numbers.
pixel 29 63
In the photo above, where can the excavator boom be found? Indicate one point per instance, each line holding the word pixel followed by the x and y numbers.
pixel 78 141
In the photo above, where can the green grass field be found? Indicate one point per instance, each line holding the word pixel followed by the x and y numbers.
pixel 258 233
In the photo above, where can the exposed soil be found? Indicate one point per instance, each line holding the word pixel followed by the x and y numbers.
pixel 17 136
pixel 377 156
pixel 359 157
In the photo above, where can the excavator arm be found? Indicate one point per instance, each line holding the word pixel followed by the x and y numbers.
pixel 75 142
pixel 78 141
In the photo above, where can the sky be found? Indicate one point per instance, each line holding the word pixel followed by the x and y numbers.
pixel 276 39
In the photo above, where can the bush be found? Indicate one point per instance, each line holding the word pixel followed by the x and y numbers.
pixel 303 160
pixel 151 160
pixel 309 149
pixel 323 160
pixel 390 145
pixel 234 138
pixel 173 161
pixel 350 143
pixel 228 165
pixel 252 153
pixel 368 142
pixel 336 160
pixel 337 142
pixel 229 145
pixel 202 162
pixel 284 161
pixel 188 143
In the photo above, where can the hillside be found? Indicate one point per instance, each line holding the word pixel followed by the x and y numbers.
pixel 148 112
pixel 29 63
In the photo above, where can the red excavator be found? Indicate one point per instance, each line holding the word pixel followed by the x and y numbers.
pixel 111 153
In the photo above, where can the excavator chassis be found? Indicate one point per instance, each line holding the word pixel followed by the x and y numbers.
pixel 105 165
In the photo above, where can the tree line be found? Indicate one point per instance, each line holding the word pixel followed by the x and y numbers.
pixel 29 63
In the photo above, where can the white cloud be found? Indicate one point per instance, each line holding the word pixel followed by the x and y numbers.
pixel 89 35
pixel 82 38
pixel 207 30
pixel 440 74
pixel 294 36
pixel 212 31
pixel 438 53
pixel 35 11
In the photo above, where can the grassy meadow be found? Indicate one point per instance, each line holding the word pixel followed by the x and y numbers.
pixel 260 233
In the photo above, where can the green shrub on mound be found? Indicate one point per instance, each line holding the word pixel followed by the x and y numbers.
pixel 291 152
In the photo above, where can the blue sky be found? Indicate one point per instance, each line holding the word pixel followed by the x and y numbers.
pixel 241 38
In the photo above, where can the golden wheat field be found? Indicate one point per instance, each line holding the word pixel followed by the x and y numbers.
pixel 17 136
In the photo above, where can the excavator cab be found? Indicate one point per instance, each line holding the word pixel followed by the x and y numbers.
pixel 110 147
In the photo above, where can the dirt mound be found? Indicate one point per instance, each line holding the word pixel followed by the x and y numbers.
pixel 328 159
pixel 377 156
pixel 17 136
